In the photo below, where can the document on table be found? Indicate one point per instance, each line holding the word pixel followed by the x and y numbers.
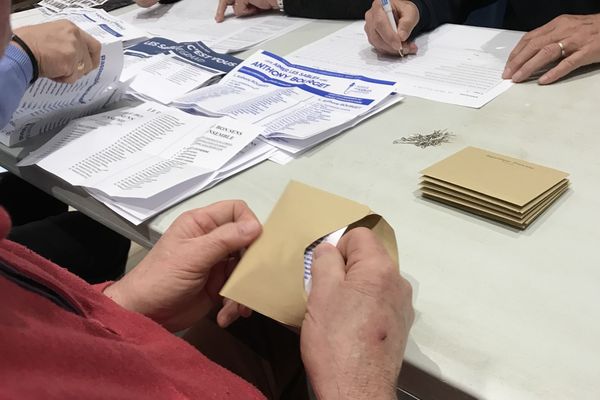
pixel 290 101
pixel 100 24
pixel 163 70
pixel 59 5
pixel 139 210
pixel 149 156
pixel 455 64
pixel 47 106
pixel 190 21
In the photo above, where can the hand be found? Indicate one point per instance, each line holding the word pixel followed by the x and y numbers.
pixel 146 3
pixel 242 8
pixel 64 52
pixel 380 33
pixel 358 316
pixel 179 280
pixel 580 37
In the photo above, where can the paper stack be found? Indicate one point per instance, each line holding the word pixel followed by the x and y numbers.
pixel 495 186
pixel 141 160
pixel 162 70
pixel 295 106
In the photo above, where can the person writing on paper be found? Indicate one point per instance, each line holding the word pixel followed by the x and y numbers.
pixel 59 328
pixel 565 32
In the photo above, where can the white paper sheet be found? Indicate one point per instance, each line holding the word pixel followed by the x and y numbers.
pixel 139 210
pixel 455 64
pixel 47 106
pixel 162 70
pixel 188 21
pixel 101 25
pixel 289 101
pixel 59 5
pixel 142 151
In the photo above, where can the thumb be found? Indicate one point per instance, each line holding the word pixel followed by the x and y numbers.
pixel 409 18
pixel 224 240
pixel 328 269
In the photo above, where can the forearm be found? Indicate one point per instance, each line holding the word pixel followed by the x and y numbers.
pixel 327 9
pixel 15 74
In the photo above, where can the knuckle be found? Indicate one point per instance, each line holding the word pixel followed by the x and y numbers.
pixel 548 51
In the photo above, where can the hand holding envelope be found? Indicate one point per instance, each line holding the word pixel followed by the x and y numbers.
pixel 356 318
pixel 359 309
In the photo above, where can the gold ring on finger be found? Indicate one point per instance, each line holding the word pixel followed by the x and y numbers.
pixel 562 49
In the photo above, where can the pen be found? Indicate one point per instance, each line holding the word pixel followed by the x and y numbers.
pixel 387 7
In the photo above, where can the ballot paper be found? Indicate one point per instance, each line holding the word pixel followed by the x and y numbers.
pixel 143 159
pixel 455 64
pixel 137 211
pixel 47 106
pixel 291 101
pixel 100 24
pixel 495 186
pixel 190 21
pixel 163 70
pixel 59 5
pixel 332 239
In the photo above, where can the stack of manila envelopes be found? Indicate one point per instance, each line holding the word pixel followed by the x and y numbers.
pixel 495 186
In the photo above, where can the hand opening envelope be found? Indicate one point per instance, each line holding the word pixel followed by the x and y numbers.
pixel 270 278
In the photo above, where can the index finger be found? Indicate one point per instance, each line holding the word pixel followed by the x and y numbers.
pixel 221 8
pixel 94 47
pixel 223 212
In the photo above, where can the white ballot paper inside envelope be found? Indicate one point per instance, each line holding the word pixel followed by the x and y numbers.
pixel 271 276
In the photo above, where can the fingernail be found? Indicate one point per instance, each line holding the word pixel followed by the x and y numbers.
pixel 517 76
pixel 249 228
pixel 544 79
pixel 506 74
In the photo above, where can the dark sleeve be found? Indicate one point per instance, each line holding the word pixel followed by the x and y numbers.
pixel 434 13
pixel 327 9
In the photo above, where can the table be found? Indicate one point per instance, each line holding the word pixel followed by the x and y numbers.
pixel 502 314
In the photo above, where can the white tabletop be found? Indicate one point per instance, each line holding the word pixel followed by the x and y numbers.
pixel 502 314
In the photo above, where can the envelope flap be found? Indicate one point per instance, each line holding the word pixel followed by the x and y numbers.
pixel 269 278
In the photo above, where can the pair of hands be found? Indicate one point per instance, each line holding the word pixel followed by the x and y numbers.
pixel 359 310
pixel 64 52
pixel 538 49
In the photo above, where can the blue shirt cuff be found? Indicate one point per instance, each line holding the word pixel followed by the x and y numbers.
pixel 21 59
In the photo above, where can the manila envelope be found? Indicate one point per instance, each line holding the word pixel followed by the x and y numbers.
pixel 270 276
pixel 497 176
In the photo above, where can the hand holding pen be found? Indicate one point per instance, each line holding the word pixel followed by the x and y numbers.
pixel 388 25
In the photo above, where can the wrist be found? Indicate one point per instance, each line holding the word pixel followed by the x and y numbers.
pixel 22 46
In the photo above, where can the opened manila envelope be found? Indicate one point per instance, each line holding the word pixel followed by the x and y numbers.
pixel 270 277
pixel 510 180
